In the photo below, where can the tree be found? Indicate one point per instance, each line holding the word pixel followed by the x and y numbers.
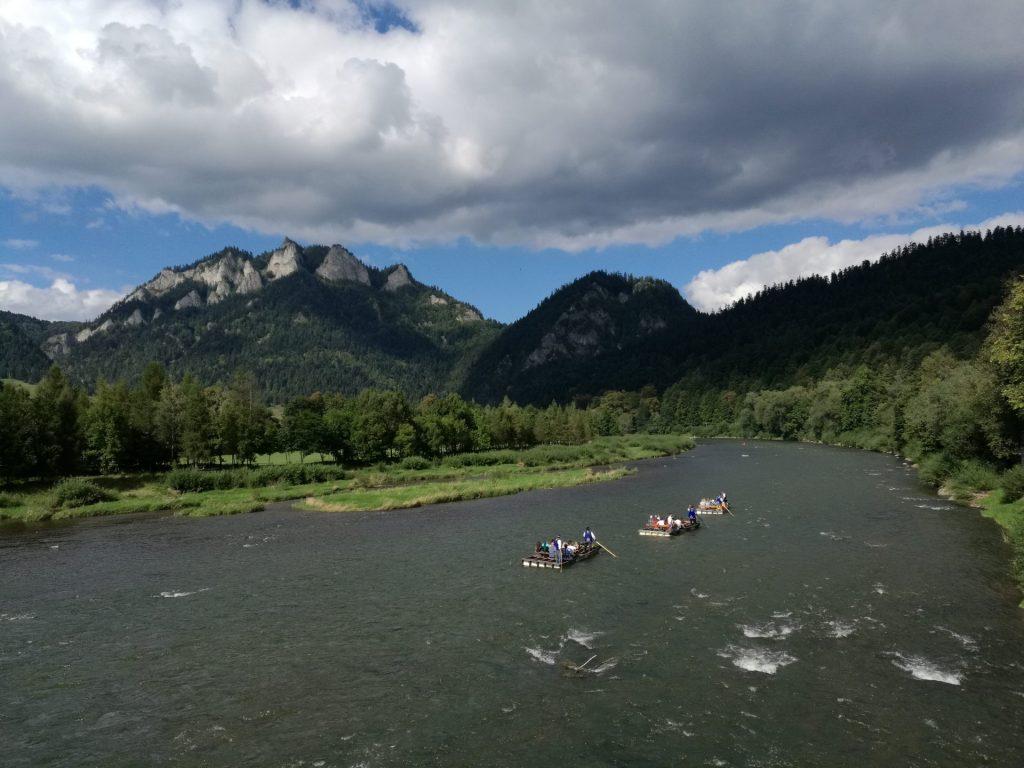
pixel 57 439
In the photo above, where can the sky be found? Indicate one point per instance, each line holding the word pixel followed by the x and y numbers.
pixel 499 149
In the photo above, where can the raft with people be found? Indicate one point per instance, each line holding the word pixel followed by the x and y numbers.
pixel 716 506
pixel 559 554
pixel 651 530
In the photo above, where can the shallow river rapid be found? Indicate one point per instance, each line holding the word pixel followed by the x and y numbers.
pixel 844 617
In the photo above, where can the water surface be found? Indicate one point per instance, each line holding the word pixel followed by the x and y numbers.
pixel 844 617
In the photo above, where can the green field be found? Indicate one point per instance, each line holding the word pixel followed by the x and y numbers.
pixel 410 483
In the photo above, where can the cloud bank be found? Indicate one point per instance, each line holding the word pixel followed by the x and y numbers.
pixel 61 300
pixel 714 289
pixel 569 125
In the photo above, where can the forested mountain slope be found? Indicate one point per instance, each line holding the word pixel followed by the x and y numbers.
pixel 602 331
pixel 300 319
pixel 586 339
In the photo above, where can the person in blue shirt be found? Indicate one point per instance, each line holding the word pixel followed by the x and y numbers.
pixel 588 537
pixel 692 514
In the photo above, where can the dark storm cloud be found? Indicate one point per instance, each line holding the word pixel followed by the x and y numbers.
pixel 536 123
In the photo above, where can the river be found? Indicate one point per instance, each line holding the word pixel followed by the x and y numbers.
pixel 845 616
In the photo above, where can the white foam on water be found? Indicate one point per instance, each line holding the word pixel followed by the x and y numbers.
pixel 931 723
pixel 604 667
pixel 933 507
pixel 923 669
pixel 182 594
pixel 761 660
pixel 509 710
pixel 833 535
pixel 544 657
pixel 768 631
pixel 840 629
pixel 879 588
pixel 875 546
pixel 699 595
pixel 968 642
pixel 782 614
pixel 16 616
pixel 582 637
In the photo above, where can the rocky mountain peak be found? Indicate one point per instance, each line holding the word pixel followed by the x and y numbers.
pixel 398 277
pixel 340 264
pixel 286 260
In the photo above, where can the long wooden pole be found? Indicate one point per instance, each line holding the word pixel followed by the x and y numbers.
pixel 606 549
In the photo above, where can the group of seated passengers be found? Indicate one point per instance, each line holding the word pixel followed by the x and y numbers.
pixel 560 551
pixel 671 523
pixel 719 501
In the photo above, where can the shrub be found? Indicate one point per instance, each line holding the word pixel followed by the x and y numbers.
pixel 197 480
pixel 76 492
pixel 972 476
pixel 935 468
pixel 7 501
pixel 1013 484
pixel 416 462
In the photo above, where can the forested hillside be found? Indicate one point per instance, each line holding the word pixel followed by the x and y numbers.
pixel 299 319
pixel 890 313
pixel 600 332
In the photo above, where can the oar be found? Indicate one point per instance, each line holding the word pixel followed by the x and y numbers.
pixel 581 666
pixel 606 549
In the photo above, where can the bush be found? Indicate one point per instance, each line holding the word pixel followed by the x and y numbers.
pixel 416 462
pixel 973 476
pixel 7 501
pixel 75 492
pixel 1013 484
pixel 189 480
pixel 934 469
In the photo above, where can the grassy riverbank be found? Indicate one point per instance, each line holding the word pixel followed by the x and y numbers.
pixel 1011 518
pixel 410 483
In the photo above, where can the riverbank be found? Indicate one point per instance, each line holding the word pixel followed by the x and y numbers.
pixel 969 483
pixel 410 483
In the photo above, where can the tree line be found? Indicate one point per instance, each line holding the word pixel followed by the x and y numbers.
pixel 58 429
pixel 953 414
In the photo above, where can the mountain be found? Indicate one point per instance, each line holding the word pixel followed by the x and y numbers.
pixel 21 340
pixel 603 331
pixel 612 332
pixel 300 319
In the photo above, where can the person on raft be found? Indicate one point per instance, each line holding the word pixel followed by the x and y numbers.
pixel 692 514
pixel 588 537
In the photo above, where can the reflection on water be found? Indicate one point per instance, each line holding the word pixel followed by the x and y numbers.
pixel 844 617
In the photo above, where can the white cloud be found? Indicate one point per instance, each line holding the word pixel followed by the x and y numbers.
pixel 62 257
pixel 714 289
pixel 61 300
pixel 573 125
pixel 17 244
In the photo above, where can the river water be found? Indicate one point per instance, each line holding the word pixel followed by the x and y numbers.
pixel 844 617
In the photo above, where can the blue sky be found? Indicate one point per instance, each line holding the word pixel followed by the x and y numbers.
pixel 78 233
pixel 500 150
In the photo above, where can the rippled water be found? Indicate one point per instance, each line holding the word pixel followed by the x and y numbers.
pixel 844 617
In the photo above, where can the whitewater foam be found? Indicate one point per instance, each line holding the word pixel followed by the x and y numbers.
pixel 968 642
pixel 768 631
pixel 582 637
pixel 544 657
pixel 923 669
pixel 183 594
pixel 839 629
pixel 761 660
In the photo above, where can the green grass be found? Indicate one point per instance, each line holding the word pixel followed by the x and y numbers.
pixel 1011 518
pixel 23 384
pixel 421 494
pixel 390 486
